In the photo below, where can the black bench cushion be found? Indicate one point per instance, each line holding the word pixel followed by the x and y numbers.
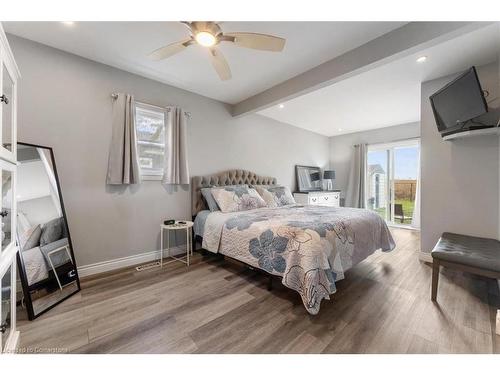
pixel 476 252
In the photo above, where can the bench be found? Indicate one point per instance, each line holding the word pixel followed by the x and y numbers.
pixel 476 255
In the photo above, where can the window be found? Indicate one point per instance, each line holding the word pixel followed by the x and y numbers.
pixel 150 129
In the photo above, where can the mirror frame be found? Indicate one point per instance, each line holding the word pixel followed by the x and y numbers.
pixel 20 263
pixel 297 178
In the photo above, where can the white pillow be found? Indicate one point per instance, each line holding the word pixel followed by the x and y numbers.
pixel 238 198
pixel 276 196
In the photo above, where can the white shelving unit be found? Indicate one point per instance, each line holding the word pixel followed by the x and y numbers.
pixel 472 133
pixel 9 76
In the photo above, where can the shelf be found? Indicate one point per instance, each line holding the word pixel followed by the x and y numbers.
pixel 472 133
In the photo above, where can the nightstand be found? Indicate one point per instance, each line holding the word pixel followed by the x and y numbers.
pixel 186 225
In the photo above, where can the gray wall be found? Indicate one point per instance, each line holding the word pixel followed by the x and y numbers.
pixel 64 102
pixel 341 147
pixel 460 179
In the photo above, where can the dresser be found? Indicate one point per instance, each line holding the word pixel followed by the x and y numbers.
pixel 9 75
pixel 319 198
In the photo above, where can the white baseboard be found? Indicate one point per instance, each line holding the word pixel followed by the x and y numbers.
pixel 114 264
pixel 12 343
pixel 425 257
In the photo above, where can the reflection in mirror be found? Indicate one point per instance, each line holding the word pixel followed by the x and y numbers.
pixel 46 261
pixel 308 178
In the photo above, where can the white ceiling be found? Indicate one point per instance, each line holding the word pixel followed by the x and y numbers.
pixel 125 45
pixel 388 95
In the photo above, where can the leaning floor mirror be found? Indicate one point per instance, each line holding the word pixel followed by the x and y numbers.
pixel 46 262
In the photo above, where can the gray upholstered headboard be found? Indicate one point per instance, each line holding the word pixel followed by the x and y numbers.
pixel 230 177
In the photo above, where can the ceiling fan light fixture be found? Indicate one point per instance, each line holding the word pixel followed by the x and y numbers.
pixel 205 39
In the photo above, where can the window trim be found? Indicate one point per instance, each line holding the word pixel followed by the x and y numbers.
pixel 154 108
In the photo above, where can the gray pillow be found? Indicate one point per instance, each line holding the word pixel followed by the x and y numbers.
pixel 52 231
pixel 211 203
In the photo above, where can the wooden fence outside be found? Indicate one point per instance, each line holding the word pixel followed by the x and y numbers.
pixel 405 189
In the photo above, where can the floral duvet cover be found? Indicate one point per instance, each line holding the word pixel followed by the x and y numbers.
pixel 310 247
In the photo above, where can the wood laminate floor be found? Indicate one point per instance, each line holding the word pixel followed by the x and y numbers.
pixel 215 306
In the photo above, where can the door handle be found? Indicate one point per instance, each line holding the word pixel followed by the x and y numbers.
pixel 4 99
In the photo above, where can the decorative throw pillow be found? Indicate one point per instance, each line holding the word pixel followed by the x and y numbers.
pixel 52 231
pixel 276 196
pixel 238 198
pixel 209 199
pixel 30 238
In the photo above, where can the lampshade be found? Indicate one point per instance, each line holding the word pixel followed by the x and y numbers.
pixel 315 176
pixel 329 175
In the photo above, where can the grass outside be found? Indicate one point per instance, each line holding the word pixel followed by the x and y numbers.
pixel 408 206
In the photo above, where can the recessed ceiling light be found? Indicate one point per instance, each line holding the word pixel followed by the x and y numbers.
pixel 340 129
pixel 205 38
pixel 281 106
pixel 68 23
pixel 422 59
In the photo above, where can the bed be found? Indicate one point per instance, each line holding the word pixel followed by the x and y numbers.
pixel 309 247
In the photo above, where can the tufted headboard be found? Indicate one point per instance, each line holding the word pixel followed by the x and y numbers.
pixel 230 177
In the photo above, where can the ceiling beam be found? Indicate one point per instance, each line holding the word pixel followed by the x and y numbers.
pixel 399 43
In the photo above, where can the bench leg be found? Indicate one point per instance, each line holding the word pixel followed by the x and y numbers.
pixel 435 279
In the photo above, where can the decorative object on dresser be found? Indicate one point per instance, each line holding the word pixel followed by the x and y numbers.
pixel 46 262
pixel 329 176
pixel 9 77
pixel 319 198
pixel 308 178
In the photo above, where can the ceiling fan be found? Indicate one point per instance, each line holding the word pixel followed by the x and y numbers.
pixel 209 34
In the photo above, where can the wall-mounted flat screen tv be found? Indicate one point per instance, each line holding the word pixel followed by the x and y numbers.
pixel 457 103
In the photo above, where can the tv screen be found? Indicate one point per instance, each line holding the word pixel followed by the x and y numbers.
pixel 459 101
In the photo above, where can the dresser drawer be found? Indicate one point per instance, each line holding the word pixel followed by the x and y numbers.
pixel 314 199
pixel 323 198
pixel 330 200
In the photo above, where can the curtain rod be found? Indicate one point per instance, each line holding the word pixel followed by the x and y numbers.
pixel 115 96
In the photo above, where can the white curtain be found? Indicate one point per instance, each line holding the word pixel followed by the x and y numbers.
pixel 415 220
pixel 355 195
pixel 176 168
pixel 123 162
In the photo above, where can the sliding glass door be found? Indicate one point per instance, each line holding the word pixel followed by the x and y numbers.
pixel 392 181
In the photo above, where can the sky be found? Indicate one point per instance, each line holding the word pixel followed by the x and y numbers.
pixel 405 162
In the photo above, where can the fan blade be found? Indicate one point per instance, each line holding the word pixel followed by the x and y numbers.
pixel 258 41
pixel 170 50
pixel 220 64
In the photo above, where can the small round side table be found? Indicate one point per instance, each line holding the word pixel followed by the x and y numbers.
pixel 186 225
